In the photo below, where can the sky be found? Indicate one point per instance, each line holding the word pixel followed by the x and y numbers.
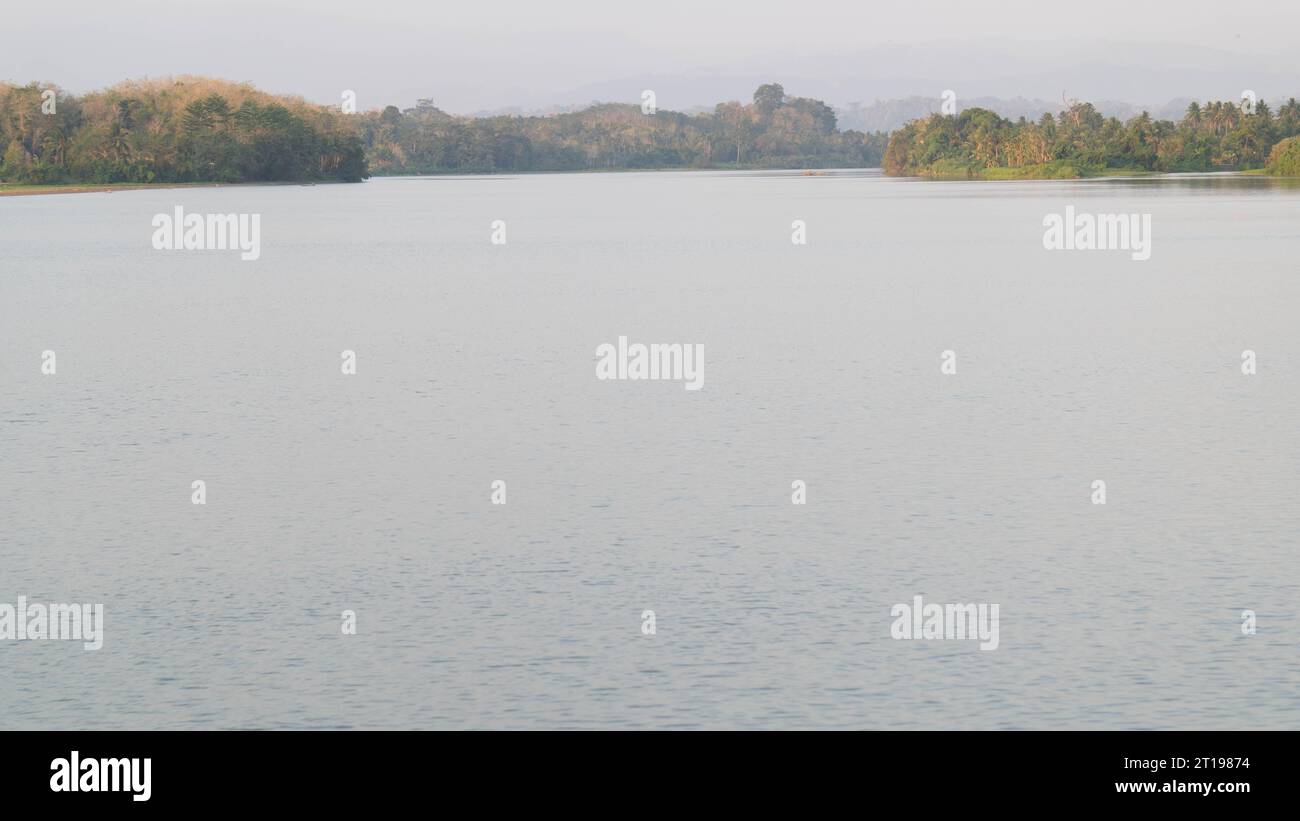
pixel 489 55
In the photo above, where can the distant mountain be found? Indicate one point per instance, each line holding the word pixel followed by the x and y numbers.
pixel 887 115
pixel 543 111
pixel 1038 75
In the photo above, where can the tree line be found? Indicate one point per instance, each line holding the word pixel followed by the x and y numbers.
pixel 194 129
pixel 772 131
pixel 1081 142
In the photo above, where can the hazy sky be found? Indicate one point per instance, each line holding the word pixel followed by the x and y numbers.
pixel 473 55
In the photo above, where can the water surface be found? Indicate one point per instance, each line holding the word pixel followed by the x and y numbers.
pixel 476 362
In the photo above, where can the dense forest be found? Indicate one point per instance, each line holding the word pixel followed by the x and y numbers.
pixel 773 131
pixel 1081 142
pixel 186 129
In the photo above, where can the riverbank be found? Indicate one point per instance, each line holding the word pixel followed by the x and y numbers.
pixel 25 190
pixel 1055 170
pixel 1067 172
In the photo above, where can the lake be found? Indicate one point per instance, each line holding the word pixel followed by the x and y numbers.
pixel 823 363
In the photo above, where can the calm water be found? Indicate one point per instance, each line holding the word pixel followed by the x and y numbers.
pixel 476 362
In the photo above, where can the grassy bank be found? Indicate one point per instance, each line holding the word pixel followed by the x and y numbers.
pixel 1057 170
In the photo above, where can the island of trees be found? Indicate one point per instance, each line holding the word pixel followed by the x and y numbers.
pixel 1080 142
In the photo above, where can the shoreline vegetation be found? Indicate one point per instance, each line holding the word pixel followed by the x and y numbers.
pixel 1080 143
pixel 198 131
pixel 180 130
pixel 774 131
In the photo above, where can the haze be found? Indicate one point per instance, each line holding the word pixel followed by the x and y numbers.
pixel 519 54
